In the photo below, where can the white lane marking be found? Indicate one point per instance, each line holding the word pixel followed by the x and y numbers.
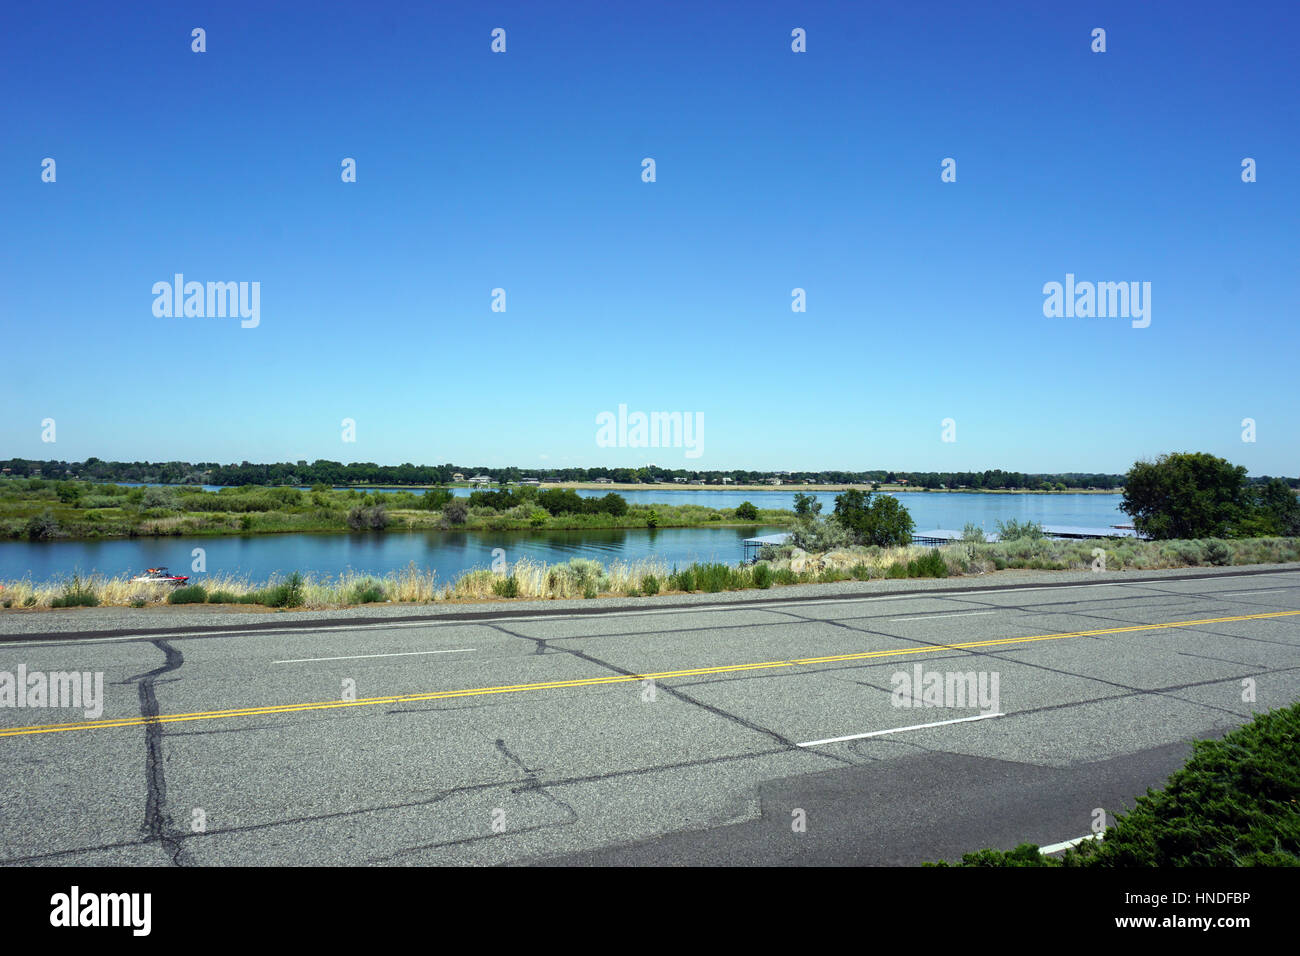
pixel 896 730
pixel 931 617
pixel 1058 847
pixel 357 657
pixel 341 624
pixel 1267 591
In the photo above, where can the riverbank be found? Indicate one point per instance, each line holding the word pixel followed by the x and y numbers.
pixel 44 511
pixel 587 579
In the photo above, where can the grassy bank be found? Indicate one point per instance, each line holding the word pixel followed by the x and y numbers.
pixel 41 510
pixel 1235 803
pixel 580 578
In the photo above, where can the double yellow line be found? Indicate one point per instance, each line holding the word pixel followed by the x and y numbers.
pixel 616 679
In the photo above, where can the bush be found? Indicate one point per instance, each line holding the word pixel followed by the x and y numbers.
pixel 288 593
pixel 366 592
pixel 76 593
pixel 1236 802
pixel 368 518
pixel 784 576
pixel 896 570
pixel 506 587
pixel 456 512
pixel 745 511
pixel 1013 530
pixel 191 594
pixel 682 580
pixel 1217 553
pixel 223 597
pixel 41 527
pixel 762 575
pixel 860 572
pixel 650 584
pixel 652 519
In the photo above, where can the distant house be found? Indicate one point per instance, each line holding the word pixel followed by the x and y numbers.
pixel 604 481
pixel 552 481
pixel 774 481
pixel 680 481
pixel 531 481
pixel 481 480
pixel 458 477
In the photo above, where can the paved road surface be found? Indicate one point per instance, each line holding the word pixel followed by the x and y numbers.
pixel 539 738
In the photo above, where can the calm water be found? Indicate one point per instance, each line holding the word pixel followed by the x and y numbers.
pixel 449 553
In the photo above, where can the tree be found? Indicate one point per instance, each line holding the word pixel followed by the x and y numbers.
pixel 806 504
pixel 1279 508
pixel 1188 495
pixel 884 522
pixel 745 511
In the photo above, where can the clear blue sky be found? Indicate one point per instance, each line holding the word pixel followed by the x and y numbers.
pixel 775 170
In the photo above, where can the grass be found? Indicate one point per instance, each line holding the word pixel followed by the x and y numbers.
pixel 582 578
pixel 40 510
pixel 1236 802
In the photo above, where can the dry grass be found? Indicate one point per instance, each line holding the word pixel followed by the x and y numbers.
pixel 583 578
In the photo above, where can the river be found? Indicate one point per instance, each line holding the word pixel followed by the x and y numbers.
pixel 452 552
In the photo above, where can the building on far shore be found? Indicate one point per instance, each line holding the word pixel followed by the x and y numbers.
pixel 458 477
pixel 481 480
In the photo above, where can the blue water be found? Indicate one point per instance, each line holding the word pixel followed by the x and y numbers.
pixel 451 552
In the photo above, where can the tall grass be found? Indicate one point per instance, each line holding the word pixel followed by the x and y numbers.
pixel 582 578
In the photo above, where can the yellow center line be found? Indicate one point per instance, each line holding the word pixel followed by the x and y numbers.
pixel 615 679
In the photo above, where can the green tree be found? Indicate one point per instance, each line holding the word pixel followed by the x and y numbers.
pixel 806 504
pixel 884 521
pixel 745 511
pixel 1279 507
pixel 1188 495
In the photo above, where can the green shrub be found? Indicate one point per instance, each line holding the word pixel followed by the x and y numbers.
pixel 135 602
pixel 762 575
pixel 1236 802
pixel 222 597
pixel 288 593
pixel 896 570
pixel 746 511
pixel 1013 530
pixel 682 580
pixel 506 587
pixel 41 527
pixel 366 592
pixel 860 572
pixel 652 519
pixel 929 565
pixel 1217 553
pixel 76 593
pixel 372 518
pixel 650 584
pixel 191 594
pixel 784 576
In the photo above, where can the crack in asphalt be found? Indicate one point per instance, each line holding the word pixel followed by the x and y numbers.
pixel 158 824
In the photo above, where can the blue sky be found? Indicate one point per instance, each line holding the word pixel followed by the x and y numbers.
pixel 775 170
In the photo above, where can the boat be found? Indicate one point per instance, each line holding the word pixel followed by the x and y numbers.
pixel 161 576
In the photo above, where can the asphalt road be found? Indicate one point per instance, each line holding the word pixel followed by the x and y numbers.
pixel 667 732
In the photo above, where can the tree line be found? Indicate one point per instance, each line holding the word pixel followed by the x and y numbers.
pixel 323 471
